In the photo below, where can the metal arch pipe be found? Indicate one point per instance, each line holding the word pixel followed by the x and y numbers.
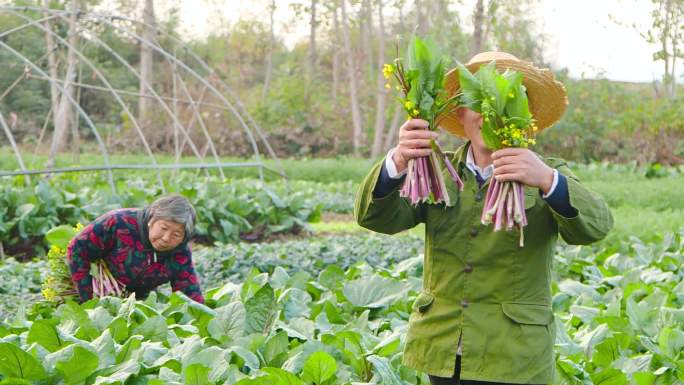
pixel 64 13
pixel 108 85
pixel 223 84
pixel 10 137
pixel 195 74
pixel 20 27
pixel 85 116
pixel 106 19
pixel 200 119
pixel 151 89
pixel 196 114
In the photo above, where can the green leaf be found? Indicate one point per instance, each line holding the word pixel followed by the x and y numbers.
pixel 275 350
pixel 153 329
pixel 261 310
pixel 382 367
pixel 105 349
pixel 503 87
pixel 250 359
pixel 331 277
pixel 24 210
pixel 374 291
pixel 16 363
pixel 118 374
pixel 470 89
pixel 44 332
pixel 119 329
pixel 197 374
pixel 605 353
pixel 60 236
pixel 296 303
pixel 490 139
pixel 77 366
pixel 609 376
pixel 229 322
pixel 517 107
pixel 319 367
pixel 73 312
pixel 277 376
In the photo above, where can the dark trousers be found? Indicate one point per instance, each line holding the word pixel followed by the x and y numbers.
pixel 455 380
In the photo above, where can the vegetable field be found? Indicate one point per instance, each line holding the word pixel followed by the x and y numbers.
pixel 289 304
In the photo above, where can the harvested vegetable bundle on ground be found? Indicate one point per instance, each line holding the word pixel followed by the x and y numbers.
pixel 58 285
pixel 501 99
pixel 421 81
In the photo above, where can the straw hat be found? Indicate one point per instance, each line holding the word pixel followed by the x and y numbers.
pixel 546 95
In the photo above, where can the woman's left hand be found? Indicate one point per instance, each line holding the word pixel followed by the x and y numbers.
pixel 522 165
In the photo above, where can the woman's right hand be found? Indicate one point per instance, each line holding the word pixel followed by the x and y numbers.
pixel 414 142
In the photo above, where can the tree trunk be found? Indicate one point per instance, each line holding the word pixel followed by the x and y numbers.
pixel 676 26
pixel 380 109
pixel 52 60
pixel 367 37
pixel 269 55
pixel 311 67
pixel 146 66
pixel 335 55
pixel 478 21
pixel 393 129
pixel 357 126
pixel 75 136
pixel 64 112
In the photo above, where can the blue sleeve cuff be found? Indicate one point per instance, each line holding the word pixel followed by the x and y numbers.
pixel 559 200
pixel 385 184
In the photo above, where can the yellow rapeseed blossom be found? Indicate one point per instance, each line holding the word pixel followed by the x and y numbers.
pixel 49 294
pixel 409 105
pixel 55 250
pixel 388 86
pixel 79 226
pixel 387 70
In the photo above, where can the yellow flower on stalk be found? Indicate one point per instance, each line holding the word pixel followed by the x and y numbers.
pixel 409 105
pixel 55 250
pixel 79 226
pixel 387 70
pixel 388 86
pixel 531 141
pixel 49 294
pixel 415 112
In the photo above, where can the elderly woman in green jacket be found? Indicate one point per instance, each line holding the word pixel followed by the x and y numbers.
pixel 484 314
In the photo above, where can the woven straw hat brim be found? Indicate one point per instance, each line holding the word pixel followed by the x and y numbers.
pixel 546 95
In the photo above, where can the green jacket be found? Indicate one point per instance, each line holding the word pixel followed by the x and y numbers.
pixel 481 282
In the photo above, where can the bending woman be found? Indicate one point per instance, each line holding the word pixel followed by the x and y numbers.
pixel 142 248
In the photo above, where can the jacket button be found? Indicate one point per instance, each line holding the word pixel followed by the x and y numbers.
pixel 473 232
pixel 467 268
pixel 464 303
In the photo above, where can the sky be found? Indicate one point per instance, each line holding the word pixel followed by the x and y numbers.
pixel 581 34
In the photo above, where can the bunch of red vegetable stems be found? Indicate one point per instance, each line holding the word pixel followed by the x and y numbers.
pixel 425 181
pixel 505 206
pixel 104 283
